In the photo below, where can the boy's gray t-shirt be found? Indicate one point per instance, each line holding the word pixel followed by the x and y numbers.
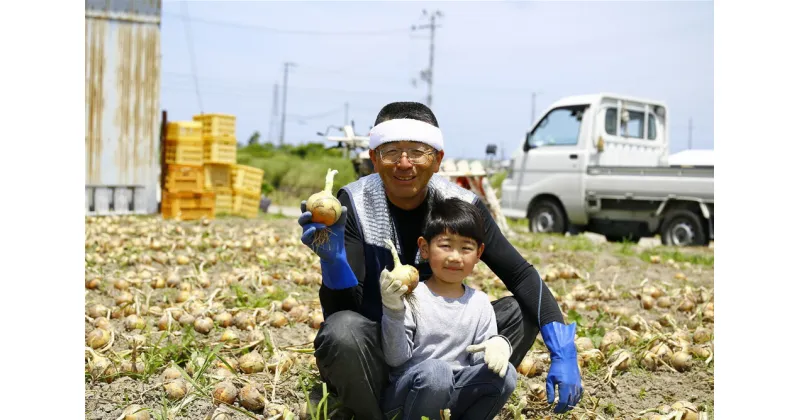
pixel 441 329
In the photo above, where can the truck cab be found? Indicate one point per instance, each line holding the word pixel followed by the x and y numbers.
pixel 601 163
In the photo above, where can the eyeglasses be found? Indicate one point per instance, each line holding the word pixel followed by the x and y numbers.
pixel 392 156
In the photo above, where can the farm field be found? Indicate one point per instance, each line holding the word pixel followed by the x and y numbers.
pixel 215 320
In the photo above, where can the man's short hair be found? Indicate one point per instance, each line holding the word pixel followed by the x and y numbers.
pixel 409 110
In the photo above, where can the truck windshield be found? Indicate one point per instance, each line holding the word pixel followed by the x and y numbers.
pixel 561 127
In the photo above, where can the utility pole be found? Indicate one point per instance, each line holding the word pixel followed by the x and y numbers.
pixel 690 133
pixel 273 120
pixel 427 74
pixel 285 89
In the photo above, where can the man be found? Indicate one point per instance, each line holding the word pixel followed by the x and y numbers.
pixel 406 149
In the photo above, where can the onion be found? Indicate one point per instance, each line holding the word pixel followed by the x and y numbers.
pixel 173 280
pixel 611 340
pixel 186 319
pixel 183 296
pixel 182 259
pixel 647 302
pixel 203 325
pixel 225 392
pixel 661 350
pixel 121 284
pixel 103 323
pixel 170 374
pixel 584 343
pixel 244 321
pixel 700 352
pixel 165 322
pixel 686 305
pixel 538 391
pixel 123 298
pixel 324 207
pixel 681 361
pixel 136 412
pixel 299 313
pixel 92 283
pixel 98 338
pixel 175 389
pixel 650 360
pixel 278 320
pixel 229 335
pixel 127 366
pixel 251 398
pixel 664 302
pixel 688 410
pixel 134 322
pixel 251 362
pixel 96 311
pixel 289 303
pixel 316 320
pixel 407 274
pixel 528 367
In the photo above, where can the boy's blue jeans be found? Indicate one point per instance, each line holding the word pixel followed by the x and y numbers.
pixel 474 392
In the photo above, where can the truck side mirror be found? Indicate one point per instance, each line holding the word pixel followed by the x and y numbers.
pixel 527 146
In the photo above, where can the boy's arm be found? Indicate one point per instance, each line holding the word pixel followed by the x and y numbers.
pixel 397 336
pixel 487 328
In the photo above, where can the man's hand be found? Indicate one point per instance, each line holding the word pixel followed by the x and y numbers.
pixel 336 272
pixel 560 339
pixel 496 352
pixel 392 292
pixel 328 251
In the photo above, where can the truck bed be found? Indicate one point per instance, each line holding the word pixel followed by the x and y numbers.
pixel 650 183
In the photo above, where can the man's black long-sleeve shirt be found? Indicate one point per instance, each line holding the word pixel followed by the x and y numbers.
pixel 519 276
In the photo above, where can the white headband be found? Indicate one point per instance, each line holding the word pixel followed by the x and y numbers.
pixel 406 130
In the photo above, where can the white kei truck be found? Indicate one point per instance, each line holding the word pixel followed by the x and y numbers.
pixel 600 163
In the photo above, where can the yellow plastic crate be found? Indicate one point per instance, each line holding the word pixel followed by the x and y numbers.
pixel 217 125
pixel 187 205
pixel 246 204
pixel 217 176
pixel 184 178
pixel 246 178
pixel 184 130
pixel 219 150
pixel 224 201
pixel 184 152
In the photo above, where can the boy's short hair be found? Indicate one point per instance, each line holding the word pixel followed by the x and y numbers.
pixel 454 216
pixel 406 110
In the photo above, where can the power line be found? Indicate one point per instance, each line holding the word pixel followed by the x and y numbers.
pixel 379 32
pixel 190 46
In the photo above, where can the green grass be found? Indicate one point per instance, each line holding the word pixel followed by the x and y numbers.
pixel 679 257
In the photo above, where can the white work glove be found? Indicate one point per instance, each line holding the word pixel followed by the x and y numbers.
pixel 392 292
pixel 496 352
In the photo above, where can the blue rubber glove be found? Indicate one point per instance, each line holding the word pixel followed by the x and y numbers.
pixel 560 340
pixel 336 272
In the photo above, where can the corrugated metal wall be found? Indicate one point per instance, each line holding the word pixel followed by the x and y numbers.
pixel 123 79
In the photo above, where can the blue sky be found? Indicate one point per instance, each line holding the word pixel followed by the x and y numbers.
pixel 490 58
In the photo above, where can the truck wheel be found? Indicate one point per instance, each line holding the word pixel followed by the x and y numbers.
pixel 683 228
pixel 546 217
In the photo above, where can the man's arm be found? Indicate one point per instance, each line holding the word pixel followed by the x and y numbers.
pixel 519 276
pixel 347 299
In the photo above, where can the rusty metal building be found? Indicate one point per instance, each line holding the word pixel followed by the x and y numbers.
pixel 123 80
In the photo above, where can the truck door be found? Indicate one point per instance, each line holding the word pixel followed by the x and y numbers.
pixel 556 159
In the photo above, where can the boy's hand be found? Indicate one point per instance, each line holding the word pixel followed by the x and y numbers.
pixel 497 351
pixel 392 292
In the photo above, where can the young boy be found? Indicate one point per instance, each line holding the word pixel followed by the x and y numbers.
pixel 444 350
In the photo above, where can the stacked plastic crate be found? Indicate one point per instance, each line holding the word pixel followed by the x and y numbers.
pixel 237 188
pixel 184 195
